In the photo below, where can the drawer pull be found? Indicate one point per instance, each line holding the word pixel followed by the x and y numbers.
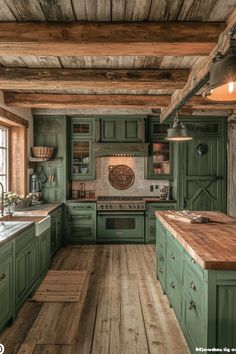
pixel 161 270
pixel 193 260
pixel 172 285
pixel 192 306
pixel 161 259
pixel 193 285
pixel 2 276
pixel 172 256
pixel 172 237
pixel 161 245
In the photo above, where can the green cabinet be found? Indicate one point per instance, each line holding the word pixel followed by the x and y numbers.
pixel 51 131
pixel 120 129
pixel 27 264
pixel 81 222
pixel 6 284
pixel 45 251
pixel 203 300
pixel 82 154
pixel 160 155
pixel 56 230
pixel 150 218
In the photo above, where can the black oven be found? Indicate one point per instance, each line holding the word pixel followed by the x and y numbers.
pixel 120 226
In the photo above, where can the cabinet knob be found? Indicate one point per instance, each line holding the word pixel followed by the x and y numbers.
pixel 172 285
pixel 193 285
pixel 161 270
pixel 172 256
pixel 2 276
pixel 192 306
pixel 193 260
pixel 161 258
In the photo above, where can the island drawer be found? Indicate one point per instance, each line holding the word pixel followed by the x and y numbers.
pixel 173 290
pixel 175 256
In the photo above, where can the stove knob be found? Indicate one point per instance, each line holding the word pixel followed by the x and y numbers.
pixel 130 206
pixel 138 206
pixel 110 206
pixel 102 206
pixel 120 206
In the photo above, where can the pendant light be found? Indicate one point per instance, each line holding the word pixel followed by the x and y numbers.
pixel 178 132
pixel 222 83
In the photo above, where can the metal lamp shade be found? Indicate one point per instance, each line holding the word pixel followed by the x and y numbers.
pixel 178 132
pixel 222 87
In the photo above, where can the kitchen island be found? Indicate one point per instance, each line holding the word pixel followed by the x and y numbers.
pixel 196 266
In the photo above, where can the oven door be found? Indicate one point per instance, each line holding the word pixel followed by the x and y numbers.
pixel 120 227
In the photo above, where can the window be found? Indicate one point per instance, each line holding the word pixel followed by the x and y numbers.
pixel 4 157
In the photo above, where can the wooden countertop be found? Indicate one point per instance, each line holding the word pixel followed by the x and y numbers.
pixel 212 245
pixel 42 210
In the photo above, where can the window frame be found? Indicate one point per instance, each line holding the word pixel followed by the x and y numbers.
pixel 7 156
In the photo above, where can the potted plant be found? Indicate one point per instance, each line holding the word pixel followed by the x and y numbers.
pixel 11 200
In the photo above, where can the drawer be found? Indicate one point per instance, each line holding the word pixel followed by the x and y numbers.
pixel 6 250
pixel 75 208
pixel 58 213
pixel 82 233
pixel 161 268
pixel 24 238
pixel 82 218
pixel 174 256
pixel 194 265
pixel 173 291
pixel 194 286
pixel 161 240
pixel 194 324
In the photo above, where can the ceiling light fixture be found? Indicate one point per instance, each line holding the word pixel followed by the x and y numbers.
pixel 178 132
pixel 222 82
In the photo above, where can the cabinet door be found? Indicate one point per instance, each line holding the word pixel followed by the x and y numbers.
pixel 44 252
pixel 132 130
pixel 21 276
pixel 82 159
pixel 53 235
pixel 82 233
pixel 6 295
pixel 33 263
pixel 159 162
pixel 110 130
pixel 59 232
pixel 82 128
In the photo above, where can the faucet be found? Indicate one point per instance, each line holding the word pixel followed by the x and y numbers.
pixel 2 199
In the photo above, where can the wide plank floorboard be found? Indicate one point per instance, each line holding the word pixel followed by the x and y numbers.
pixel 124 310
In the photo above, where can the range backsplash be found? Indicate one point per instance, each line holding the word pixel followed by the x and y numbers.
pixel 102 186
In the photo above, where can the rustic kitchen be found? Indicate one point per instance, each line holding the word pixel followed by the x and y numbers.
pixel 117 176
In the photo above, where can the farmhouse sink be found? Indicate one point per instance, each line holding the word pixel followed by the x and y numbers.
pixel 42 223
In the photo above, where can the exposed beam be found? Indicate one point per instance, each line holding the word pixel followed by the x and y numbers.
pixel 39 79
pixel 79 101
pixel 12 119
pixel 43 100
pixel 103 38
pixel 200 71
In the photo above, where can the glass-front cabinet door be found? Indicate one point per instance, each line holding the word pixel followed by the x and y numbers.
pixel 82 162
pixel 159 161
pixel 82 128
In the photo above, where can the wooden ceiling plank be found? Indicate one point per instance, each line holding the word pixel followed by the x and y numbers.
pixel 27 10
pixel 59 10
pixel 199 72
pixel 27 78
pixel 106 38
pixel 90 10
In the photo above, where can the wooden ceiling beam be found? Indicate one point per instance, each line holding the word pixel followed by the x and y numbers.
pixel 41 100
pixel 41 79
pixel 85 101
pixel 108 38
pixel 199 72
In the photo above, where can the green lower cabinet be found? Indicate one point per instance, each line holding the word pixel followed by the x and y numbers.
pixel 45 251
pixel 56 230
pixel 81 222
pixel 27 270
pixel 6 284
pixel 204 301
pixel 150 218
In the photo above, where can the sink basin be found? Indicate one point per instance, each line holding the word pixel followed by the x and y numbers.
pixel 42 223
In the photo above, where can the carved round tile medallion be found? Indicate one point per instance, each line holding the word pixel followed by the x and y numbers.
pixel 121 177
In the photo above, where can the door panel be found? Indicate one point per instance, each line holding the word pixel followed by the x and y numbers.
pixel 204 175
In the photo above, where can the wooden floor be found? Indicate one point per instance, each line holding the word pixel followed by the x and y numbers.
pixel 124 309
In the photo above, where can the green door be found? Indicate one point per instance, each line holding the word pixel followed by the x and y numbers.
pixel 33 263
pixel 21 276
pixel 204 174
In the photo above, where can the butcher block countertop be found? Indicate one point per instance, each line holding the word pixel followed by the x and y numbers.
pixel 212 245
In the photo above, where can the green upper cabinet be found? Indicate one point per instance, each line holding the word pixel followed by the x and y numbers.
pixel 82 154
pixel 159 161
pixel 119 129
